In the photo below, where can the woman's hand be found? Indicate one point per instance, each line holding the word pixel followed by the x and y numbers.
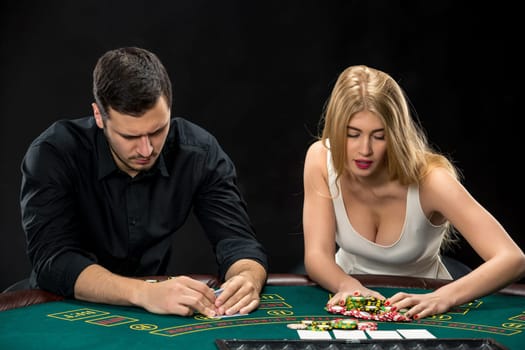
pixel 420 305
pixel 340 297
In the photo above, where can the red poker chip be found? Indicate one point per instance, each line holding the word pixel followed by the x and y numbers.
pixel 335 309
pixel 386 316
pixel 370 326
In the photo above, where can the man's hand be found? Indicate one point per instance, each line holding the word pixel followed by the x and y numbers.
pixel 180 295
pixel 241 291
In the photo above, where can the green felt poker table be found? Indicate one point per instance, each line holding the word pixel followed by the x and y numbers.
pixel 51 322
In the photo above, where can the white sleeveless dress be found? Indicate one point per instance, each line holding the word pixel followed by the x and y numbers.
pixel 416 253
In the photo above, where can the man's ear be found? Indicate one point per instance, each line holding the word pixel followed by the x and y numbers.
pixel 98 115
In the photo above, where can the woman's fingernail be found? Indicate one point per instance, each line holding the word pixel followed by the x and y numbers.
pixel 387 303
pixel 416 317
pixel 356 293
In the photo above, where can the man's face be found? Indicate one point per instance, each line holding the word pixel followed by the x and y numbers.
pixel 135 142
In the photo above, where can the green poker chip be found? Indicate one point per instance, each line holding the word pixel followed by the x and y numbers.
pixel 344 323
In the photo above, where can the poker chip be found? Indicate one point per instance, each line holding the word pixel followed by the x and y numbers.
pixel 312 325
pixel 369 304
pixel 367 308
pixel 367 326
pixel 296 326
pixel 344 323
pixel 337 309
pixel 319 327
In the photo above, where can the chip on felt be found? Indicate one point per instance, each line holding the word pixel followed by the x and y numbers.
pixel 344 323
pixel 367 308
pixel 296 326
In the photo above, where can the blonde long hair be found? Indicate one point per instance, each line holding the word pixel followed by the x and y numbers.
pixel 409 156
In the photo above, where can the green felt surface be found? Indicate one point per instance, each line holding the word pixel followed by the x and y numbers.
pixel 79 325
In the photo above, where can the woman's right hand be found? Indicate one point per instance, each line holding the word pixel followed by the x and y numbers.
pixel 340 297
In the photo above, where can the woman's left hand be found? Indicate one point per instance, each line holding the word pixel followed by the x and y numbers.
pixel 419 306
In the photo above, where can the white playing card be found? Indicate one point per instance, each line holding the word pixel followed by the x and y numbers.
pixel 349 334
pixel 383 334
pixel 416 333
pixel 308 334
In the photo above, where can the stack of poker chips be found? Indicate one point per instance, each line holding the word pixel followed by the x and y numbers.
pixel 368 308
pixel 338 323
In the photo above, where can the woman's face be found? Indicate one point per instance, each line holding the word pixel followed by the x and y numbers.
pixel 365 144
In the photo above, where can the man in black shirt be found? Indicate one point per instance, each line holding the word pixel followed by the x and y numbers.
pixel 102 196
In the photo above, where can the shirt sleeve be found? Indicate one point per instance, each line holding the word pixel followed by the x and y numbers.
pixel 223 214
pixel 49 220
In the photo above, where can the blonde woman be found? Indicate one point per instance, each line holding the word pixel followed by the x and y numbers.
pixel 379 200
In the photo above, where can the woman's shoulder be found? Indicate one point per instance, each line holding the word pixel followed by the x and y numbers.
pixel 315 160
pixel 316 152
pixel 438 185
pixel 317 148
pixel 437 177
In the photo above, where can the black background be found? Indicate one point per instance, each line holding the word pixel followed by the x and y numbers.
pixel 256 74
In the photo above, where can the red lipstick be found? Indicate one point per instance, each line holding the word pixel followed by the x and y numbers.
pixel 363 164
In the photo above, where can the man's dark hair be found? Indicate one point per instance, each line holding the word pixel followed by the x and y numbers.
pixel 130 80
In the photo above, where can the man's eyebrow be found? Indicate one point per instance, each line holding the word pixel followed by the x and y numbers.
pixel 150 133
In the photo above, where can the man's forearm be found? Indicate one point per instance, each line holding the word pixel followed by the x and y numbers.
pixel 97 284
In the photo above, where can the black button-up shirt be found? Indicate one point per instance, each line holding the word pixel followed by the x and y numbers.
pixel 79 208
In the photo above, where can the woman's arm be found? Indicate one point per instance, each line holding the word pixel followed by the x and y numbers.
pixel 319 227
pixel 504 260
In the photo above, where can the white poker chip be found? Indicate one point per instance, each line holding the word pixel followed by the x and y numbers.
pixel 296 326
pixel 336 308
